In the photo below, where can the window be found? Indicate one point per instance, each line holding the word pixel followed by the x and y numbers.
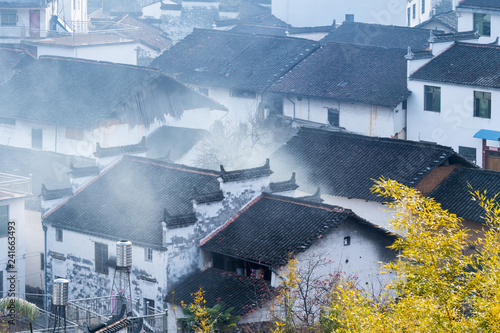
pixel 333 117
pixel 101 258
pixel 42 261
pixel 74 133
pixel 36 138
pixel 7 121
pixel 482 104
pixel 468 152
pixel 482 22
pixel 148 254
pixel 149 306
pixel 1 284
pixel 432 98
pixel 423 6
pixel 4 220
pixel 347 241
pixel 414 14
pixel 408 14
pixel 59 235
pixel 9 16
pixel 243 93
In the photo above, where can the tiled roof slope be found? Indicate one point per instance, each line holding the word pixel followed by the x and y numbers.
pixel 453 193
pixel 345 164
pixel 449 19
pixel 147 34
pixel 389 36
pixel 352 73
pixel 483 4
pixel 271 227
pixel 128 200
pixel 81 93
pixel 12 59
pixel 465 64
pixel 45 167
pixel 231 60
pixel 244 293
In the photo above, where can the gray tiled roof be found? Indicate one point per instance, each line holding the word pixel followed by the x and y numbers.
pixel 231 60
pixel 464 64
pixel 352 73
pixel 82 93
pixel 129 200
pixel 454 193
pixel 389 36
pixel 271 227
pixel 345 164
pixel 484 4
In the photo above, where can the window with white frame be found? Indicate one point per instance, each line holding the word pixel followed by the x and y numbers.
pixel 482 104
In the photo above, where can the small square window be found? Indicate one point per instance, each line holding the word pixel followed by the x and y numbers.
pixel 468 152
pixel 432 98
pixel 59 235
pixel 148 254
pixel 482 104
pixel 347 240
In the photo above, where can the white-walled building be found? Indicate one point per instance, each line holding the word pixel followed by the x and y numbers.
pixel 164 209
pixel 453 102
pixel 234 69
pixel 251 251
pixel 359 88
pixel 480 15
pixel 13 234
pixel 68 105
pixel 25 19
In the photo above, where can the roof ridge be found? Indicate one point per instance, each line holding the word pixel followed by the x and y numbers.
pixel 306 203
pixel 99 62
pixel 246 35
pixel 175 166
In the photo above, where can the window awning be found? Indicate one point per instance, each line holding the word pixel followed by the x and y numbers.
pixel 488 135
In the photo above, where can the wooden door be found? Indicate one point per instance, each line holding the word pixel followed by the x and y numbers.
pixel 35 23
pixel 493 160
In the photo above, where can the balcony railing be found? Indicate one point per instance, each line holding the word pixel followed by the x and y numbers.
pixel 12 186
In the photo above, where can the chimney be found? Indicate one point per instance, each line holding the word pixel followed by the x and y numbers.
pixel 349 17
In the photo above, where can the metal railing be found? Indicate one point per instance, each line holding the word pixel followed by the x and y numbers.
pixel 14 186
pixel 44 322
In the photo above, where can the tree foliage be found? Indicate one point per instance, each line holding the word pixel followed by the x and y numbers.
pixel 200 319
pixel 439 286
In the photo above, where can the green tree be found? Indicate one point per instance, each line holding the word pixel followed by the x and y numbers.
pixel 439 288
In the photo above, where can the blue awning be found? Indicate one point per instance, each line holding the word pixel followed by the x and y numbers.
pixel 488 135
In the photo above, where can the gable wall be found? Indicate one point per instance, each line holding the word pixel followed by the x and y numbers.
pixel 466 23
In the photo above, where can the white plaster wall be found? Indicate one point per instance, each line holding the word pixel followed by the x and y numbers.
pixel 360 259
pixel 419 17
pixel 18 216
pixel 301 13
pixel 455 125
pixel 372 211
pixel 466 23
pixel 236 188
pixel 124 53
pixel 85 282
pixel 34 249
pixel 152 11
pixel 239 108
pixel 360 118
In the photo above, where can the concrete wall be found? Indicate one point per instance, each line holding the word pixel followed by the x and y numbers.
pixel 18 216
pixel 359 118
pixel 125 53
pixel 455 125
pixel 78 267
pixel 301 13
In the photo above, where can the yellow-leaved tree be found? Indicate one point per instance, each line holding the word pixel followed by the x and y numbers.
pixel 440 286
